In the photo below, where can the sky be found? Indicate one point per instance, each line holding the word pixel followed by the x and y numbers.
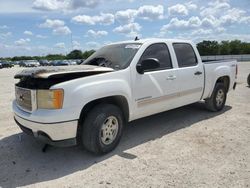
pixel 41 27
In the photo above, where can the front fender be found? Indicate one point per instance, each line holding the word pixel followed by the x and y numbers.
pixel 80 92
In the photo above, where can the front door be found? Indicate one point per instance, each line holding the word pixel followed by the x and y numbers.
pixel 155 90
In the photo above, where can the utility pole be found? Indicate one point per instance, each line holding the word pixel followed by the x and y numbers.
pixel 71 41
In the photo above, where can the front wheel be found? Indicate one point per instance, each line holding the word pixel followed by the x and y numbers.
pixel 102 128
pixel 218 98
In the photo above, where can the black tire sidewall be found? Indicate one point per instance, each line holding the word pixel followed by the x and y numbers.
pixel 96 119
pixel 217 88
pixel 248 80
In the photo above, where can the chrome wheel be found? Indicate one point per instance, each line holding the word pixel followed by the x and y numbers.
pixel 220 97
pixel 109 130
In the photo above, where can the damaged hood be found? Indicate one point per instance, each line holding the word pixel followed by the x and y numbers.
pixel 57 71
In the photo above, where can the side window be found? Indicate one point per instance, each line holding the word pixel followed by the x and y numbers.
pixel 158 51
pixel 185 54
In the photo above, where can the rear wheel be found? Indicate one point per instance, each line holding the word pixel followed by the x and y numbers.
pixel 102 128
pixel 218 98
pixel 248 80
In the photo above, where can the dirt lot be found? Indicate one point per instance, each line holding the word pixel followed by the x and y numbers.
pixel 185 147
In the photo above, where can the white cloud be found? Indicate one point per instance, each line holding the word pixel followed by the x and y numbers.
pixel 201 32
pixel 22 42
pixel 232 16
pixel 61 30
pixel 58 26
pixel 245 20
pixel 130 30
pixel 63 5
pixel 76 45
pixel 92 33
pixel 28 33
pixel 191 6
pixel 175 23
pixel 182 9
pixel 5 35
pixel 60 45
pixel 92 45
pixel 126 16
pixel 149 12
pixel 178 10
pixel 4 27
pixel 75 4
pixel 41 36
pixel 215 8
pixel 52 23
pixel 49 5
pixel 103 19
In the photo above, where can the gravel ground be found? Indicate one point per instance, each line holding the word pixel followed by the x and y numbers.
pixel 185 147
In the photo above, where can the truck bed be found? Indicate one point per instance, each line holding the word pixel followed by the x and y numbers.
pixel 215 69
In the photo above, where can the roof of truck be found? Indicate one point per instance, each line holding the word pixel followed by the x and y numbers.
pixel 142 41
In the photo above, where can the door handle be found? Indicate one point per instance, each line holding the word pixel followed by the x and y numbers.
pixel 171 77
pixel 197 73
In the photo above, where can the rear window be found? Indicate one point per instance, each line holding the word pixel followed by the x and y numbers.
pixel 185 54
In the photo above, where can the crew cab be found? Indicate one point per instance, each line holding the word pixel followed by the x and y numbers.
pixel 90 104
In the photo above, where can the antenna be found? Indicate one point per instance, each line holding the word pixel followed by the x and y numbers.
pixel 136 38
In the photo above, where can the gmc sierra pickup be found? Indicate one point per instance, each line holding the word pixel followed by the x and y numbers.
pixel 121 82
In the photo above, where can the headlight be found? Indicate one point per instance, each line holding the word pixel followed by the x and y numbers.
pixel 50 99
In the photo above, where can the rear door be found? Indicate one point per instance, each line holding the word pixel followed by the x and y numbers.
pixel 191 73
pixel 155 90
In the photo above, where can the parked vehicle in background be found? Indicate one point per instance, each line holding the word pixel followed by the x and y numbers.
pixel 7 64
pixel 31 63
pixel 80 61
pixel 21 64
pixel 248 80
pixel 72 62
pixel 44 62
pixel 119 83
pixel 1 66
pixel 61 63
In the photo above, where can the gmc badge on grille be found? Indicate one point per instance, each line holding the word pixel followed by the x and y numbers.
pixel 20 97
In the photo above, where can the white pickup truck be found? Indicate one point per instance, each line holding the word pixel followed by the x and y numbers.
pixel 121 82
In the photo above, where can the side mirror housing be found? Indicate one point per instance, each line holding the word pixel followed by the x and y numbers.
pixel 147 64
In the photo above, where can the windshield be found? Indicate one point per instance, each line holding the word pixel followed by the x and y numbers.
pixel 116 56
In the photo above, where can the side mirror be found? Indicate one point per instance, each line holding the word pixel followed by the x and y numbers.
pixel 147 64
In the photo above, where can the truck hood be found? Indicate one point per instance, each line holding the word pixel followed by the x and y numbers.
pixel 59 72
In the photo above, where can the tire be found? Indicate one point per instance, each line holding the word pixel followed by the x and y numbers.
pixel 103 119
pixel 248 80
pixel 218 98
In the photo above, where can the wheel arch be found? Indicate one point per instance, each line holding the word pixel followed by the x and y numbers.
pixel 224 80
pixel 117 100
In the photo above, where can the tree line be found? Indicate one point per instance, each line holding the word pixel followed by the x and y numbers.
pixel 206 47
pixel 234 47
pixel 75 54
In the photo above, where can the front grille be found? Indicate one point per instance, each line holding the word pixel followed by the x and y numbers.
pixel 24 98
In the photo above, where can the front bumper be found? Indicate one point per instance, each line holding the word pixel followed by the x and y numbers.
pixel 61 134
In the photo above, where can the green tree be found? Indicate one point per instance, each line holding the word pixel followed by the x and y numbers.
pixel 235 47
pixel 54 57
pixel 75 54
pixel 224 48
pixel 208 48
pixel 86 54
